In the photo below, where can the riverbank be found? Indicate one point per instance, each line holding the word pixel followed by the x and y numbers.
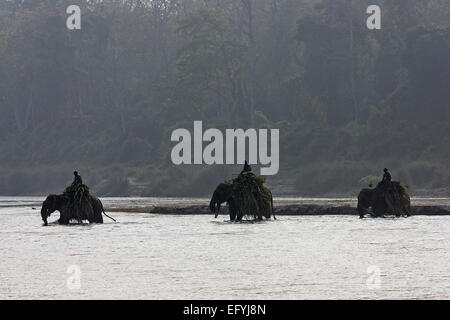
pixel 200 206
pixel 427 207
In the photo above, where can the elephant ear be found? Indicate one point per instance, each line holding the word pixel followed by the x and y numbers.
pixel 53 201
pixel 225 192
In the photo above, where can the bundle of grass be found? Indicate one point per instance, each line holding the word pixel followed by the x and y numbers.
pixel 397 199
pixel 247 197
pixel 78 202
pixel 74 189
pixel 251 199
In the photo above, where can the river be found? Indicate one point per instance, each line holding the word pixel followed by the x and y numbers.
pixel 150 256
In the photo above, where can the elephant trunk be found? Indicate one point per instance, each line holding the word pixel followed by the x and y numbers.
pixel 44 216
pixel 212 205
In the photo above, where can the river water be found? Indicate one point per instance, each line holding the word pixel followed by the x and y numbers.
pixel 148 256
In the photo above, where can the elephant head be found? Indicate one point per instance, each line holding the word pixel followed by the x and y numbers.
pixel 50 205
pixel 222 194
pixel 365 201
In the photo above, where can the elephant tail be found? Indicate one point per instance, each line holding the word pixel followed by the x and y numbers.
pixel 103 210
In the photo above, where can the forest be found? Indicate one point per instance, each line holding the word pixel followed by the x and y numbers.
pixel 105 99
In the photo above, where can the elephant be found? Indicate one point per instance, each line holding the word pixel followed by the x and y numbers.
pixel 91 211
pixel 225 192
pixel 383 199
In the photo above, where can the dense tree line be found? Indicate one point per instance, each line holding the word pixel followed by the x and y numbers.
pixel 105 99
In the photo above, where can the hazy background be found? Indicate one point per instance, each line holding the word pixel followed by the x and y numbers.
pixel 104 100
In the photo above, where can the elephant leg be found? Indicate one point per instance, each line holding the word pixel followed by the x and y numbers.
pixel 96 217
pixel 99 217
pixel 362 212
pixel 62 220
pixel 376 212
pixel 63 217
pixel 366 200
pixel 100 211
pixel 379 208
pixel 218 209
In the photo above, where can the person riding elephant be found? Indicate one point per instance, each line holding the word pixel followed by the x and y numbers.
pixel 386 176
pixel 386 180
pixel 61 203
pixel 247 168
pixel 77 179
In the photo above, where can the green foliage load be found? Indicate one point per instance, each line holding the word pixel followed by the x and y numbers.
pixel 251 199
pixel 78 205
pixel 401 196
pixel 74 189
pixel 395 196
pixel 400 189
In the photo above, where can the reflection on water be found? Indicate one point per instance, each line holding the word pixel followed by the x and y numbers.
pixel 146 256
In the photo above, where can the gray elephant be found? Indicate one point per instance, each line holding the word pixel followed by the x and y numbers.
pixel 90 210
pixel 390 198
pixel 256 202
